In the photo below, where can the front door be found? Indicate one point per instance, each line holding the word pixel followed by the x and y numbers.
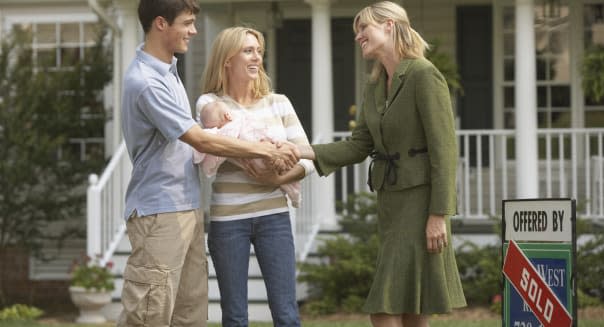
pixel 294 69
pixel 475 60
pixel 294 74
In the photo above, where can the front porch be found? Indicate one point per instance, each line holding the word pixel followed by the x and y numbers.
pixel 571 165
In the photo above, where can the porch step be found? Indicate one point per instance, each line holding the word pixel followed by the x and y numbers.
pixel 256 289
pixel 258 309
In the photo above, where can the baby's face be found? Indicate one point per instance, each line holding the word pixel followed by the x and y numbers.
pixel 217 116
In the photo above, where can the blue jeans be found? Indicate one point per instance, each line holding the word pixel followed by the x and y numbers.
pixel 229 244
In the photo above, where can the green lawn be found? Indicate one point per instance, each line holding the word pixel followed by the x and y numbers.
pixel 441 323
pixel 319 323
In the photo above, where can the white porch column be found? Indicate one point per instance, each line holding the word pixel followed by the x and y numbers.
pixel 527 180
pixel 124 52
pixel 322 102
pixel 271 56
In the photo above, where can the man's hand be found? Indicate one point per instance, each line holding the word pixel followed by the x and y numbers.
pixel 436 233
pixel 284 156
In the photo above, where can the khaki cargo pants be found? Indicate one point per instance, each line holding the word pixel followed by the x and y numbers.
pixel 166 276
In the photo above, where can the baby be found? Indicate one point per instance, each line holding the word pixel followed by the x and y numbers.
pixel 217 117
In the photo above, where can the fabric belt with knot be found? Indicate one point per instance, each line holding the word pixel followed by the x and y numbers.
pixel 390 174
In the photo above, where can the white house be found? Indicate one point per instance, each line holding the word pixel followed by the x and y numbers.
pixel 525 127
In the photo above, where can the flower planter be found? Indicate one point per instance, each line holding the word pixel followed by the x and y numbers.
pixel 90 303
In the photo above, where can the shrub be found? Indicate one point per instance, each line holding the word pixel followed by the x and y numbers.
pixel 584 300
pixel 496 303
pixel 590 261
pixel 342 280
pixel 591 69
pixel 446 65
pixel 43 178
pixel 480 272
pixel 20 312
pixel 89 274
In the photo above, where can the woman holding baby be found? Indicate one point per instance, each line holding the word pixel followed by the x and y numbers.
pixel 247 205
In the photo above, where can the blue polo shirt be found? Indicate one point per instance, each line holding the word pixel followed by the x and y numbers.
pixel 155 113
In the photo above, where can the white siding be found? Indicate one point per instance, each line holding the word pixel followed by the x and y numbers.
pixel 62 259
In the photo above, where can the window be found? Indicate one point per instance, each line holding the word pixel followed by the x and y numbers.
pixel 593 31
pixel 60 46
pixel 552 64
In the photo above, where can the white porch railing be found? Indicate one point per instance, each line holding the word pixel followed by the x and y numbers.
pixel 305 219
pixel 105 206
pixel 350 179
pixel 571 165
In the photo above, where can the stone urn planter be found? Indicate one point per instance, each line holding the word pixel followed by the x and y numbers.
pixel 90 303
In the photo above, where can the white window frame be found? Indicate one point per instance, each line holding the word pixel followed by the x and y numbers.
pixel 576 52
pixel 500 57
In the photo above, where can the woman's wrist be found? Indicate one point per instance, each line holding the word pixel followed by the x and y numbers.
pixel 306 152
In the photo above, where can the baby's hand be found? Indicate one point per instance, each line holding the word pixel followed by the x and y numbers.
pixel 263 175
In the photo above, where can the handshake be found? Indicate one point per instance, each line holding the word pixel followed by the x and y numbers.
pixel 283 155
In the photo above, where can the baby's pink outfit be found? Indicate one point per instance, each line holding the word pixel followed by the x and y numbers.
pixel 245 128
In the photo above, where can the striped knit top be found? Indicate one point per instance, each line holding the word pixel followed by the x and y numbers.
pixel 234 194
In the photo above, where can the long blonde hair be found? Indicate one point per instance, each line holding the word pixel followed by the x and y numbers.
pixel 226 45
pixel 408 43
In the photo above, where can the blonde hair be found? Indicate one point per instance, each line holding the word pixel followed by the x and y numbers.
pixel 407 42
pixel 226 45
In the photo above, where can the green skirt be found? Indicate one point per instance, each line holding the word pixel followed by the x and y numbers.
pixel 408 279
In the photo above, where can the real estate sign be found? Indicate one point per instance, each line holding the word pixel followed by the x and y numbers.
pixel 539 246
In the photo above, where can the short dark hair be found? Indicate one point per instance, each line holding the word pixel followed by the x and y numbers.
pixel 148 10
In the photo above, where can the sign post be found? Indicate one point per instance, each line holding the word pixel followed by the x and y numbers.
pixel 539 246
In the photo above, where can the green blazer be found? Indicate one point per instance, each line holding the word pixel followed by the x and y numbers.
pixel 415 120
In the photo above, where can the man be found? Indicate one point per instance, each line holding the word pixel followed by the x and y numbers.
pixel 165 280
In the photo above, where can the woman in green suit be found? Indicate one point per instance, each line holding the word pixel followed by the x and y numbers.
pixel 406 125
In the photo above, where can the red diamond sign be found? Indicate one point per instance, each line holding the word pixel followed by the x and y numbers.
pixel 533 289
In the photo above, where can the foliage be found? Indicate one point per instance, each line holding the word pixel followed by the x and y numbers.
pixel 42 107
pixel 342 280
pixel 331 322
pixel 20 312
pixel 42 177
pixel 89 274
pixel 590 261
pixel 362 322
pixel 445 65
pixel 592 68
pixel 359 217
pixel 584 300
pixel 496 303
pixel 480 271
